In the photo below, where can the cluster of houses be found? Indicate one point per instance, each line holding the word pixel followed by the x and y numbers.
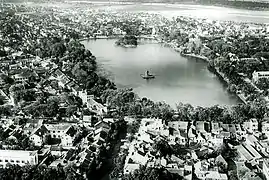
pixel 57 140
pixel 50 138
pixel 251 151
pixel 64 140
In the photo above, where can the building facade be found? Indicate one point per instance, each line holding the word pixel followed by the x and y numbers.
pixel 18 157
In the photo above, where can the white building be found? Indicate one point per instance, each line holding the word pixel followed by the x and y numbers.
pixel 265 126
pixel 65 132
pixel 256 75
pixel 251 125
pixel 18 157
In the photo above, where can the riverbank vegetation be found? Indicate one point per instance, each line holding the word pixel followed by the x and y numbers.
pixel 232 54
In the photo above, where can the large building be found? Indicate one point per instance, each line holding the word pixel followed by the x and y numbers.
pixel 18 157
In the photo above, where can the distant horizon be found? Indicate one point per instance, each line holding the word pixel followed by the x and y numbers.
pixel 261 5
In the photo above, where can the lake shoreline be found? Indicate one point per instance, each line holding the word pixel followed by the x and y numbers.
pixel 215 71
pixel 233 98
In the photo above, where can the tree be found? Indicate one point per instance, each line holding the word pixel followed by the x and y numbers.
pixel 163 147
pixel 70 110
pixel 263 84
pixel 58 49
pixel 52 107
pixel 48 139
pixel 71 173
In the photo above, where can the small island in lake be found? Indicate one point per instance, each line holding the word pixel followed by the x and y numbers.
pixel 127 41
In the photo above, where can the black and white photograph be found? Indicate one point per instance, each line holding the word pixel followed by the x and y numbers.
pixel 134 89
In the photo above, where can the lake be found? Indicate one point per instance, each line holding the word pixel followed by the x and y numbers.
pixel 177 78
pixel 195 11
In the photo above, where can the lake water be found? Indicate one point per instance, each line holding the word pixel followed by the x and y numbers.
pixel 178 79
pixel 195 11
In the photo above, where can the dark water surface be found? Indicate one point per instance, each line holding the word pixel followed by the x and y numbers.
pixel 177 80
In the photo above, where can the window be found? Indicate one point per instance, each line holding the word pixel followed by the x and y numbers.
pixel 17 161
pixel 12 161
pixel 22 161
pixel 58 131
pixel 53 131
pixel 6 160
pixel 0 160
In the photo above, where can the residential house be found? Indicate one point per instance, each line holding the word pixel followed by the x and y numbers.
pixel 248 153
pixel 215 128
pixel 220 161
pixel 60 77
pixel 256 75
pixel 200 139
pixel 173 124
pixel 240 132
pixel 175 170
pixel 211 175
pixel 86 157
pixel 182 138
pixel 95 106
pixel 261 147
pixel 55 164
pixel 24 75
pixel 178 125
pixel 265 126
pixel 216 142
pixel 251 125
pixel 31 125
pixel 57 150
pixel 202 172
pixel 224 135
pixel 64 131
pixel 102 124
pixel 38 135
pixel 87 120
pixel 200 126
pixel 130 167
pixel 243 172
pixel 191 135
pixel 100 136
pixel 251 139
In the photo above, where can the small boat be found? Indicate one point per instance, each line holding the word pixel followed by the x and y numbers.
pixel 147 75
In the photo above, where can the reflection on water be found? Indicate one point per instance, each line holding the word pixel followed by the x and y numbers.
pixel 177 79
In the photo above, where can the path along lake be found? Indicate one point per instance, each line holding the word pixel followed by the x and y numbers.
pixel 178 79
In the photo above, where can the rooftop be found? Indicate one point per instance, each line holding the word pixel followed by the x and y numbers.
pixel 16 153
pixel 59 127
